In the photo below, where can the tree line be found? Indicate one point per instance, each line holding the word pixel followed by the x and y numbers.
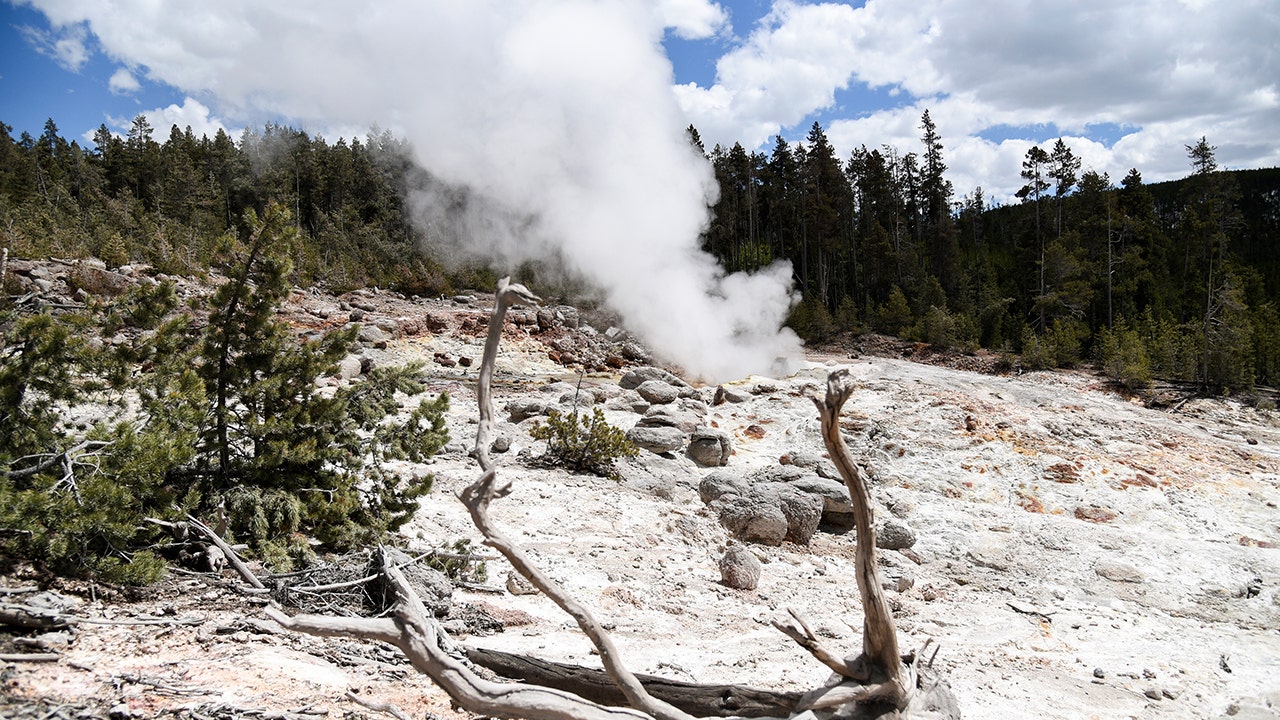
pixel 1177 281
pixel 170 204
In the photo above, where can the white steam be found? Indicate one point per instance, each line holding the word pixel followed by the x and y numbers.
pixel 556 115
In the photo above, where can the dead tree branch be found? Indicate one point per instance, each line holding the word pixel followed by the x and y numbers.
pixel 419 637
pixel 232 557
pixel 478 496
pixel 879 635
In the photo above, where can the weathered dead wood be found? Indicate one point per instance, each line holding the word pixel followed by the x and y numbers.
pixel 881 683
pixel 477 497
pixel 30 657
pixel 32 618
pixel 415 632
pixel 879 635
pixel 595 685
pixel 230 554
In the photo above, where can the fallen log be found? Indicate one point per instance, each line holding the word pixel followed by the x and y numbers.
pixel 596 686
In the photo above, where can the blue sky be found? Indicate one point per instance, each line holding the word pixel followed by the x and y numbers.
pixel 1127 84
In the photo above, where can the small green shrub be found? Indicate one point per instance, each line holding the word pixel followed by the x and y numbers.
pixel 1123 357
pixel 584 443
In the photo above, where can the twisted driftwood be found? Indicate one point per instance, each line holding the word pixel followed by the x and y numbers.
pixel 878 683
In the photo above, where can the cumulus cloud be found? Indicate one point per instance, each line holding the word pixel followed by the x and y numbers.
pixel 692 19
pixel 557 117
pixel 123 82
pixel 190 114
pixel 1166 71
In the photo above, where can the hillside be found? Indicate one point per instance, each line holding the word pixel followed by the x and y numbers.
pixel 1076 554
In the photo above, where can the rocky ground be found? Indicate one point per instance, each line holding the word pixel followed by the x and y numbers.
pixel 1076 554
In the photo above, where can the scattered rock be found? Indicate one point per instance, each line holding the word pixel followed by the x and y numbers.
pixel 657 392
pixel 374 335
pixel 1118 572
pixel 893 534
pixel 670 416
pixel 430 584
pixel 657 439
pixel 1095 514
pixel 710 447
pixel 729 394
pixel 634 377
pixel 720 483
pixel 520 410
pixel 349 367
pixel 739 568
pixel 501 443
pixel 518 585
pixel 752 519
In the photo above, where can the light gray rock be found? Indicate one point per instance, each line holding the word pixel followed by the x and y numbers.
pixel 349 367
pixel 670 416
pixel 520 410
pixel 1118 572
pixel 581 399
pixel 720 483
pixel 752 519
pixel 730 395
pixel 658 392
pixel 893 534
pixel 740 568
pixel 662 439
pixel 803 513
pixel 431 585
pixel 815 462
pixel 835 497
pixel 710 447
pixel 374 335
pixel 635 376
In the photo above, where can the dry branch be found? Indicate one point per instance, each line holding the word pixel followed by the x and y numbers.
pixel 879 636
pixel 418 636
pixel 595 685
pixel 232 557
pixel 478 496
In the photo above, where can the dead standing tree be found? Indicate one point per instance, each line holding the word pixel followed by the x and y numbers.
pixel 876 684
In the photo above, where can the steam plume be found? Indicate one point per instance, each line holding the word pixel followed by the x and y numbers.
pixel 559 114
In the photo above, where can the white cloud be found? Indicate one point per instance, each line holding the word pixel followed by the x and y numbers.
pixel 1167 71
pixel 558 116
pixel 66 44
pixel 692 19
pixel 123 82
pixel 190 114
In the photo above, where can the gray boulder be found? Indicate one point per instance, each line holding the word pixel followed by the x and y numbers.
pixel 813 461
pixel 720 483
pixel 752 519
pixel 374 335
pixel 893 534
pixel 754 516
pixel 670 416
pixel 634 377
pixel 431 585
pixel 658 392
pixel 660 439
pixel 731 395
pixel 835 497
pixel 710 447
pixel 740 568
pixel 524 409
